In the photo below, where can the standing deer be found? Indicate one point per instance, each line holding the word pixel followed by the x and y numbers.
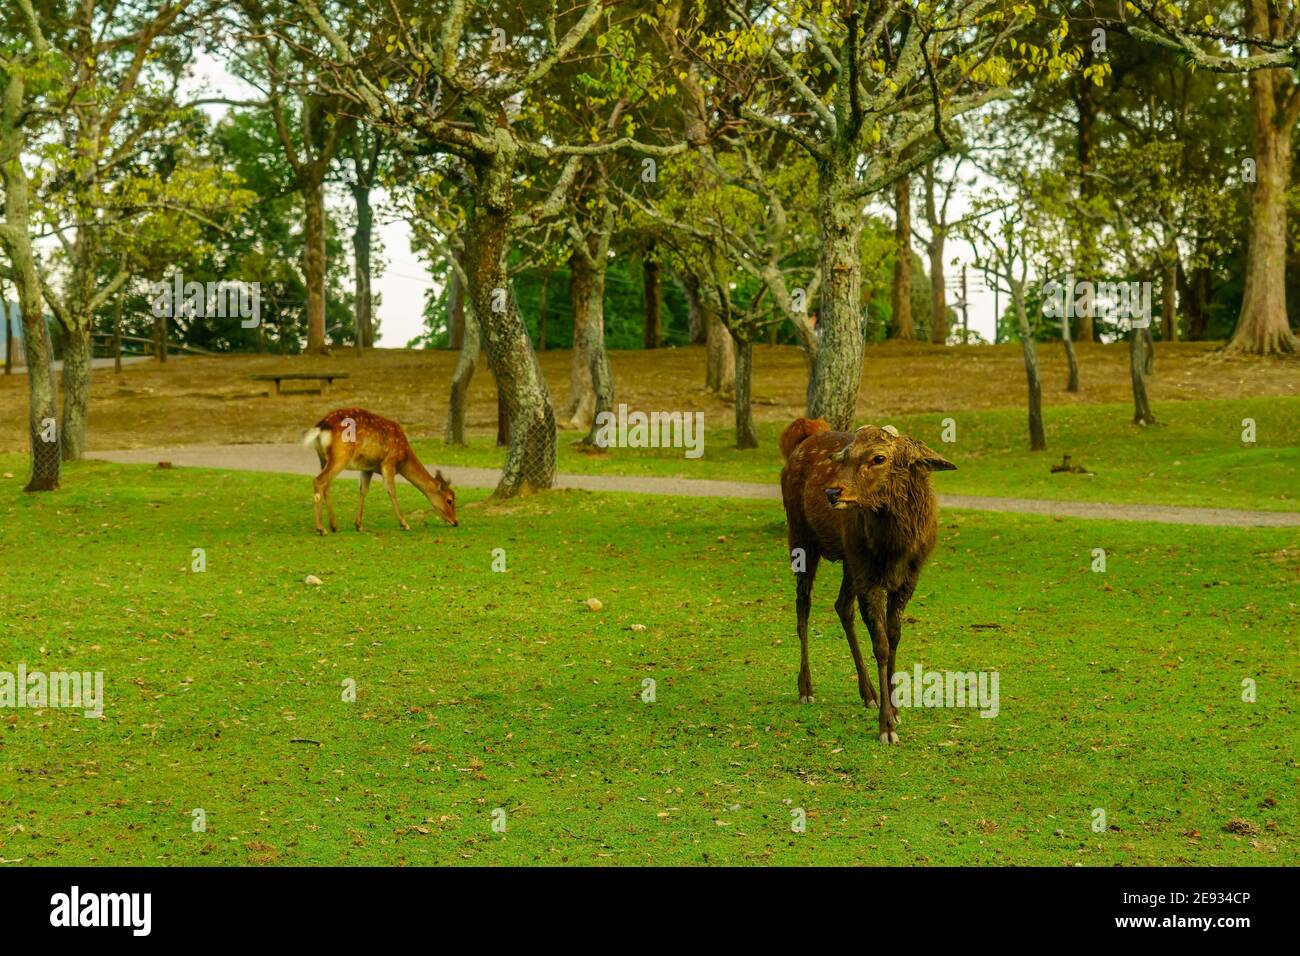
pixel 864 499
pixel 355 439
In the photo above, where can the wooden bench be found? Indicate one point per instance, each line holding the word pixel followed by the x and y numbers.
pixel 325 380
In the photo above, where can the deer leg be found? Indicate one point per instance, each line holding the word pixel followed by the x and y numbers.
pixel 844 607
pixel 361 501
pixel 872 605
pixel 390 484
pixel 802 605
pixel 894 627
pixel 321 491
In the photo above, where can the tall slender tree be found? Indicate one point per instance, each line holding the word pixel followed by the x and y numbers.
pixel 1270 32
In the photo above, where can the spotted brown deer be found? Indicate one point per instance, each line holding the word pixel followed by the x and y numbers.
pixel 864 499
pixel 357 440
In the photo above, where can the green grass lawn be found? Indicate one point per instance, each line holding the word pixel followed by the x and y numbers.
pixel 479 690
pixel 1194 457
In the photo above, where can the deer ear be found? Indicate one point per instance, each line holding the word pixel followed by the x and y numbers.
pixel 922 456
pixel 840 455
pixel 438 474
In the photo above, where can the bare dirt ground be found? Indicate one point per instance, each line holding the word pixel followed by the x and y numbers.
pixel 194 400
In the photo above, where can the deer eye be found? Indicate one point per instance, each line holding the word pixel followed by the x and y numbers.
pixel 878 460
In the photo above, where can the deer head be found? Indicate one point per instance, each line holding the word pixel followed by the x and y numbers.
pixel 443 499
pixel 880 467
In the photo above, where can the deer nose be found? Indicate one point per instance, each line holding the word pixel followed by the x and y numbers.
pixel 833 494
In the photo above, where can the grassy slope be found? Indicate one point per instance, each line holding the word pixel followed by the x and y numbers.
pixel 480 690
pixel 1195 458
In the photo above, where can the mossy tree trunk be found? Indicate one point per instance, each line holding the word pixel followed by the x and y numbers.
pixel 313 261
pixel 837 367
pixel 530 461
pixel 15 236
pixel 582 394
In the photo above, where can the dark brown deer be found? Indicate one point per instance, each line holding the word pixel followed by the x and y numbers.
pixel 357 440
pixel 864 499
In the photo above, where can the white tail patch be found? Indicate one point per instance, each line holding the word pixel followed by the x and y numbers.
pixel 317 437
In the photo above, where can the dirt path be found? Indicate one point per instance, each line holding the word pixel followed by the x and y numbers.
pixel 295 460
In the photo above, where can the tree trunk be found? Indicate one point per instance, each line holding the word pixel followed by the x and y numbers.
pixel 313 267
pixel 1072 360
pixel 653 337
pixel 42 410
pixel 746 435
pixel 938 290
pixel 530 461
pixel 76 388
pixel 117 333
pixel 466 362
pixel 9 337
pixel 1072 383
pixel 720 354
pixel 602 382
pixel 1087 256
pixel 696 327
pixel 1262 326
pixel 160 337
pixel 503 420
pixel 1194 295
pixel 837 367
pixel 1037 437
pixel 901 298
pixel 456 311
pixel 582 393
pixel 364 312
pixel 47 467
pixel 1137 361
pixel 720 373
pixel 1168 302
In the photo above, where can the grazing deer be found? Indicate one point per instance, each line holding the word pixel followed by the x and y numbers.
pixel 353 438
pixel 864 499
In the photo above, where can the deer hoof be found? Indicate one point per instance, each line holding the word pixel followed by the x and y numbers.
pixel 405 526
pixel 806 698
pixel 888 737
